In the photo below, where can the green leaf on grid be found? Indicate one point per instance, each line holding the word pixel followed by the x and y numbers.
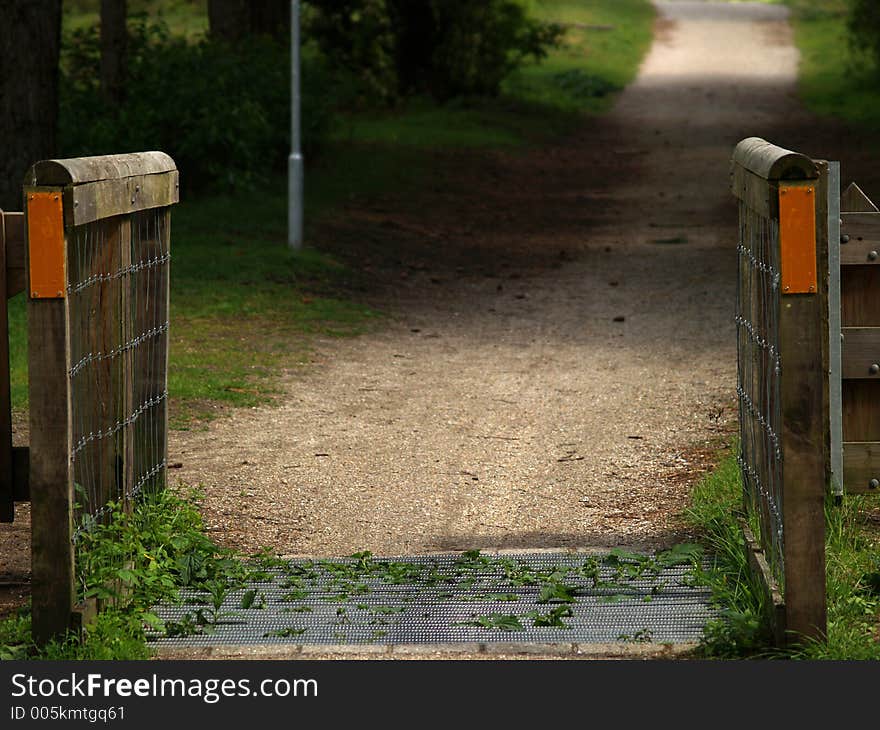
pixel 247 600
pixel 502 597
pixel 557 593
pixel 388 609
pixel 297 609
pixel 298 595
pixel 619 555
pixel 613 598
pixel 553 618
pixel 153 621
pixel 499 621
pixel 682 554
pixel 284 633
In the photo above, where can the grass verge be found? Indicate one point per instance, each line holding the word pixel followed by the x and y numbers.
pixel 853 576
pixel 836 77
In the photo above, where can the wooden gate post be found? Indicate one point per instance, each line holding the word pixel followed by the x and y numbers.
pixel 51 477
pixel 803 341
pixel 783 381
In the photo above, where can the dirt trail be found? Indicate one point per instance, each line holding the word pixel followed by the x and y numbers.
pixel 551 386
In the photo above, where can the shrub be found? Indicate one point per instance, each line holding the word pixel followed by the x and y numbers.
pixel 864 24
pixel 221 111
pixel 446 48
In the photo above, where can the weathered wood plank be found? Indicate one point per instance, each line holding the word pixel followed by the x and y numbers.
pixel 859 305
pixel 803 324
pixel 860 238
pixel 76 171
pixel 770 162
pixel 861 416
pixel 7 480
pixel 861 466
pixel 107 198
pixel 854 200
pixel 761 568
pixel 51 480
pixel 756 192
pixel 861 353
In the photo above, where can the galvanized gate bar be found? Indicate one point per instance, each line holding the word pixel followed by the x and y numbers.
pixel 835 394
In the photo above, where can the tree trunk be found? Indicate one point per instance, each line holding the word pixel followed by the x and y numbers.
pixel 114 47
pixel 229 20
pixel 271 17
pixel 233 20
pixel 30 39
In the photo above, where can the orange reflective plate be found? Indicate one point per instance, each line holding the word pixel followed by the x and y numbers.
pixel 45 225
pixel 797 238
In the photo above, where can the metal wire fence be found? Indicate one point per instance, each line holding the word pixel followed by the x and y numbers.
pixel 117 373
pixel 759 368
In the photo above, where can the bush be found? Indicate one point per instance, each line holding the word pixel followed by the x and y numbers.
pixel 864 24
pixel 446 48
pixel 358 38
pixel 222 112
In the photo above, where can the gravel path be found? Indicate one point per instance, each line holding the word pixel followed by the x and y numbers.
pixel 559 388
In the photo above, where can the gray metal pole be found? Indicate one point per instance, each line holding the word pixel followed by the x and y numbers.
pixel 295 169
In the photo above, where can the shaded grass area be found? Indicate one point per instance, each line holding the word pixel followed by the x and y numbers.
pixel 853 575
pixel 602 48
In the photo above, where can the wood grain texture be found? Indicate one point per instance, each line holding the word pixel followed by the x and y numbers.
pixel 803 349
pixel 107 198
pixel 861 464
pixel 51 478
pixel 860 238
pixel 79 170
pixel 858 307
pixel 770 162
pixel 755 192
pixel 854 200
pixel 861 351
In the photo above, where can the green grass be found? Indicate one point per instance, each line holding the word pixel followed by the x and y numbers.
pixel 837 78
pixel 853 576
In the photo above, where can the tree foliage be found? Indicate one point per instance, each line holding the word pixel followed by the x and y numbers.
pixel 864 24
pixel 445 48
pixel 221 110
